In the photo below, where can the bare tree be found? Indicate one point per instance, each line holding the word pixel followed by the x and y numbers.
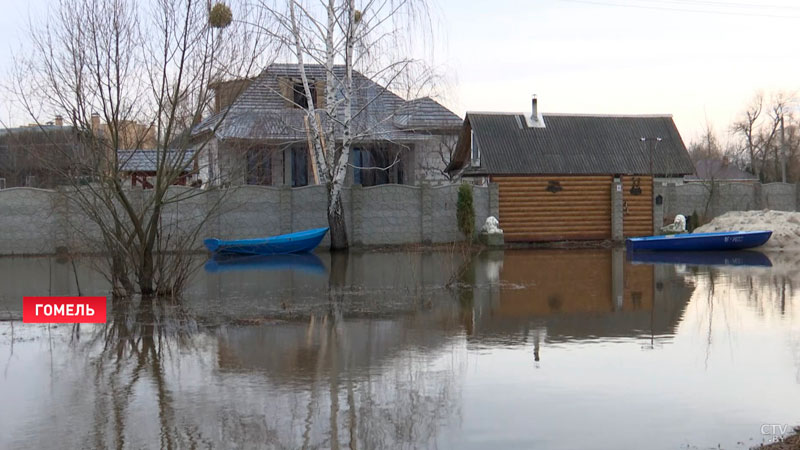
pixel 707 147
pixel 122 72
pixel 375 40
pixel 747 128
pixel 759 132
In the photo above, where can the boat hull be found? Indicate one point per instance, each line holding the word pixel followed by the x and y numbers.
pixel 729 240
pixel 300 242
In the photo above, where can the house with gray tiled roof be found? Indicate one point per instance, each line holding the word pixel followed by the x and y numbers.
pixel 258 135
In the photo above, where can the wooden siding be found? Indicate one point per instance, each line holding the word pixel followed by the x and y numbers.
pixel 529 212
pixel 637 209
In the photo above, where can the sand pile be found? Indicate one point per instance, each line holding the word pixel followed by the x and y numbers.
pixel 785 226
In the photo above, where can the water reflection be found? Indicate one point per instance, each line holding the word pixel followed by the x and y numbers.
pixel 305 262
pixel 710 258
pixel 578 294
pixel 412 350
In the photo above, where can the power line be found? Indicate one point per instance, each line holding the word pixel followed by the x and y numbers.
pixel 701 11
pixel 731 4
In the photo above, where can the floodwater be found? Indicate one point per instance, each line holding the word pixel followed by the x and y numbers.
pixel 557 349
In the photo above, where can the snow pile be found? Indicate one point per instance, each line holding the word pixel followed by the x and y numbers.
pixel 785 226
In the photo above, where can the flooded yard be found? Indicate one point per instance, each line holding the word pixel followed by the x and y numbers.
pixel 559 349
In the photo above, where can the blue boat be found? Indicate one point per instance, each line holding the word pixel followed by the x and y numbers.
pixel 301 262
pixel 751 258
pixel 300 242
pixel 726 240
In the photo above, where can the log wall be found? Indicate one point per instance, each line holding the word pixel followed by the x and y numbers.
pixel 554 208
pixel 637 205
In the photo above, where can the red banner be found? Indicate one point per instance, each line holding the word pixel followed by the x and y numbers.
pixel 64 310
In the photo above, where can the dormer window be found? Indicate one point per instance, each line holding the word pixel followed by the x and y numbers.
pixel 299 91
pixel 293 92
pixel 475 150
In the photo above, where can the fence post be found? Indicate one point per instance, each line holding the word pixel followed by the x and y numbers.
pixel 617 233
pixel 426 218
pixel 286 209
pixel 494 200
pixel 357 200
pixel 658 210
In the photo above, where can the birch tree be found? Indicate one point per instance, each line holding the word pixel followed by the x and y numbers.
pixel 120 72
pixel 375 38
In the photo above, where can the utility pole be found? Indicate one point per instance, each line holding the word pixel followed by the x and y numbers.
pixel 650 150
pixel 783 152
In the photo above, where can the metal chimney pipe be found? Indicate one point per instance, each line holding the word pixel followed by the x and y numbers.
pixel 534 109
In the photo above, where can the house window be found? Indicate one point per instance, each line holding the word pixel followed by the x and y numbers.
pixel 299 166
pixel 259 167
pixel 299 91
pixel 374 167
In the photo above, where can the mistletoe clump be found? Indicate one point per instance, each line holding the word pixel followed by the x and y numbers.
pixel 220 16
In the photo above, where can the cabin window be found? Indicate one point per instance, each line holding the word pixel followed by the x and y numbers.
pixel 299 166
pixel 373 167
pixel 659 200
pixel 259 167
pixel 476 153
pixel 299 91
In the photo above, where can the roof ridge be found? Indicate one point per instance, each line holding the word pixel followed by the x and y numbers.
pixel 510 113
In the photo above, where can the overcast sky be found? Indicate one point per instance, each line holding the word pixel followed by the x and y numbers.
pixel 593 56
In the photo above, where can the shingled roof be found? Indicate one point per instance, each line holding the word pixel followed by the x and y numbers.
pixel 261 112
pixel 146 160
pixel 571 144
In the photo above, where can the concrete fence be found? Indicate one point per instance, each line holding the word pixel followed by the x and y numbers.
pixel 36 221
pixel 710 200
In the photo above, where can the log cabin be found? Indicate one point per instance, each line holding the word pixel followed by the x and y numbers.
pixel 556 172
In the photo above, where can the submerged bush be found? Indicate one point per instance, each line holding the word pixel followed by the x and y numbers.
pixel 465 212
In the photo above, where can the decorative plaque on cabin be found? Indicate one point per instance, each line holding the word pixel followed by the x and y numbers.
pixel 554 186
pixel 636 189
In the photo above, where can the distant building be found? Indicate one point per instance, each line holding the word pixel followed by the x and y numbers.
pixel 53 154
pixel 555 171
pixel 132 134
pixel 37 155
pixel 722 170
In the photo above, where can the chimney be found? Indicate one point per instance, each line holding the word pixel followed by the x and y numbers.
pixel 59 121
pixel 535 120
pixel 95 122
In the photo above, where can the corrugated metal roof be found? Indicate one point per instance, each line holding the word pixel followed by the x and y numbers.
pixel 145 160
pixel 261 112
pixel 574 144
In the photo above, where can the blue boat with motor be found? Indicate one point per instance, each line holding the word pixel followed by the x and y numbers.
pixel 726 240
pixel 300 242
